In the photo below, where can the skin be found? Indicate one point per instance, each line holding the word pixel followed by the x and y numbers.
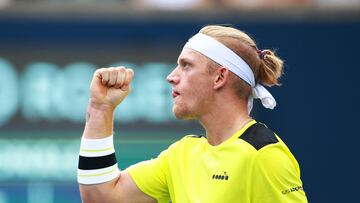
pixel 108 88
pixel 207 97
pixel 198 94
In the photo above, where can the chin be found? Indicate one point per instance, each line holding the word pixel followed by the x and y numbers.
pixel 183 114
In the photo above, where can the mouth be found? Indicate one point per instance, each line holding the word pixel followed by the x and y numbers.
pixel 175 94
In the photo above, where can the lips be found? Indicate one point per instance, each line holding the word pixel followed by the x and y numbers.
pixel 175 93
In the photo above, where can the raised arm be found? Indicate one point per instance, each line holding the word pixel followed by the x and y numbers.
pixel 108 89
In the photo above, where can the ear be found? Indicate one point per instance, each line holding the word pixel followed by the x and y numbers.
pixel 221 77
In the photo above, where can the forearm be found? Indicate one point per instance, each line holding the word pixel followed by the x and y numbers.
pixel 99 124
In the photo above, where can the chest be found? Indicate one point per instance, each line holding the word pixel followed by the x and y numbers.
pixel 210 176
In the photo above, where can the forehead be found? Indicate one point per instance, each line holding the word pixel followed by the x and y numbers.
pixel 191 55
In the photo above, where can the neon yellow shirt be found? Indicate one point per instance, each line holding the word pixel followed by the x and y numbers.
pixel 254 165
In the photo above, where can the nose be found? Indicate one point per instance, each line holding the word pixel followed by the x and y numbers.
pixel 173 77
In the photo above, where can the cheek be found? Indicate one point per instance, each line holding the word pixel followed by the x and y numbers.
pixel 198 85
pixel 201 94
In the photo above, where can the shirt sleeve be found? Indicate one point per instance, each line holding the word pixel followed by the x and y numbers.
pixel 150 176
pixel 275 177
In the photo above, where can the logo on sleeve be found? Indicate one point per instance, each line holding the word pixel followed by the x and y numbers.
pixel 293 189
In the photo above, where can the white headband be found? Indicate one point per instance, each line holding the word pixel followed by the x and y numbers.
pixel 219 53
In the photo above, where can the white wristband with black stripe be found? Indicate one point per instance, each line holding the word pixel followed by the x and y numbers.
pixel 97 161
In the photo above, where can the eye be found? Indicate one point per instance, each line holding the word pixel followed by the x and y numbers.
pixel 186 65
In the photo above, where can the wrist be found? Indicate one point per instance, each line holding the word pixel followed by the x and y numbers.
pixel 94 105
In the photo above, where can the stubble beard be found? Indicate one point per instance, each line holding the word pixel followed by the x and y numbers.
pixel 183 113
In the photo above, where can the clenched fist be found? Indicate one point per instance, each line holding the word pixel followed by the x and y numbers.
pixel 110 86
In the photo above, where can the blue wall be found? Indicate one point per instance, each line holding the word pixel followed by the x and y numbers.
pixel 317 113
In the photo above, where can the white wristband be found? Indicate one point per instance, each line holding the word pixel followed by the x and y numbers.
pixel 97 147
pixel 97 161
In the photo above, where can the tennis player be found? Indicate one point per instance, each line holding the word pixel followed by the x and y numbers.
pixel 220 72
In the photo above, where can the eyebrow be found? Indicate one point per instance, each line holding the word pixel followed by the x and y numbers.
pixel 182 60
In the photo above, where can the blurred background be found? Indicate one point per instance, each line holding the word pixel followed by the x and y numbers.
pixel 50 48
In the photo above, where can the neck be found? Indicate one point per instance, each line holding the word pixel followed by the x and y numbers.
pixel 223 121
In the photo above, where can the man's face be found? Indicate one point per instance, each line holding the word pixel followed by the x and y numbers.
pixel 192 85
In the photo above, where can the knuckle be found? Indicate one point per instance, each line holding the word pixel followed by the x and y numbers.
pixel 98 71
pixel 104 70
pixel 121 68
pixel 113 71
pixel 131 71
pixel 130 74
pixel 121 73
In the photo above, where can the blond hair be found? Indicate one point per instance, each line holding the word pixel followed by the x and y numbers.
pixel 266 66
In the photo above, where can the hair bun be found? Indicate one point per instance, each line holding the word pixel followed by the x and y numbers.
pixel 270 69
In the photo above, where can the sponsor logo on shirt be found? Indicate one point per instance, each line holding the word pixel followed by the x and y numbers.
pixel 221 176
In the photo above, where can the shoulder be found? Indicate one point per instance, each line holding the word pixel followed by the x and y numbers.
pixel 259 136
pixel 267 146
pixel 187 144
pixel 271 154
